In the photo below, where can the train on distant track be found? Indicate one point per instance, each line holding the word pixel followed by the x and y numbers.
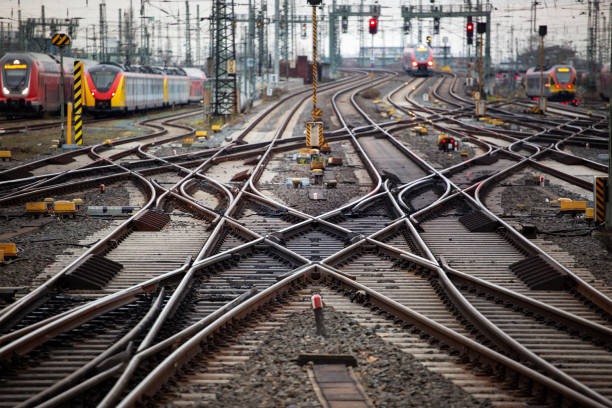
pixel 418 60
pixel 31 81
pixel 118 88
pixel 559 83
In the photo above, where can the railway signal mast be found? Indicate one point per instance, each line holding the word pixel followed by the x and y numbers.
pixel 61 40
pixel 373 26
pixel 541 100
pixel 481 105
pixel 608 224
pixel 314 129
pixel 469 28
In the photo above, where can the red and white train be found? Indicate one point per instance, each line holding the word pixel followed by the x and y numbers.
pixel 30 82
pixel 117 88
pixel 559 83
pixel 418 60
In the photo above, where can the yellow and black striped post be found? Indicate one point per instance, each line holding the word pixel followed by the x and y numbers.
pixel 315 112
pixel 78 102
pixel 60 40
pixel 601 187
pixel 314 129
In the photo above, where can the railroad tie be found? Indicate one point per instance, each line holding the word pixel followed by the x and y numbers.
pixel 334 381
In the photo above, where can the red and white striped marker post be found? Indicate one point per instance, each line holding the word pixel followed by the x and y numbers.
pixel 317 307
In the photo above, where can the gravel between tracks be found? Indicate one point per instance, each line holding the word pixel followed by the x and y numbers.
pixel 390 377
pixel 570 233
pixel 38 247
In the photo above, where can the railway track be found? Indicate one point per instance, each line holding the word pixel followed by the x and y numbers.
pixel 417 255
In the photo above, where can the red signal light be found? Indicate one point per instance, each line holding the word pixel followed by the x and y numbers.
pixel 373 26
pixel 470 27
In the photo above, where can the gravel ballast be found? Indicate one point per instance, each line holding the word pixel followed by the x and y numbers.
pixel 38 247
pixel 390 377
pixel 574 234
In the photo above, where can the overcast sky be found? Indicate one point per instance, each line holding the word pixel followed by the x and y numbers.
pixel 566 20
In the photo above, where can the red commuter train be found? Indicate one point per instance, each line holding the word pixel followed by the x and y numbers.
pixel 196 78
pixel 117 88
pixel 30 83
pixel 559 83
pixel 418 61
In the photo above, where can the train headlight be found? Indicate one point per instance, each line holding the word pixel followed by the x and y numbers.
pixel 414 63
pixel 430 63
pixel 25 91
pixel 5 90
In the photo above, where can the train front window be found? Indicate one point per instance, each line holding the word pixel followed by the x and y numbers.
pixel 15 76
pixel 564 75
pixel 103 76
pixel 421 55
pixel 103 80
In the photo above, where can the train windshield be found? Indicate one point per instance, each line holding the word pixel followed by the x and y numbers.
pixel 564 75
pixel 15 75
pixel 103 76
pixel 421 54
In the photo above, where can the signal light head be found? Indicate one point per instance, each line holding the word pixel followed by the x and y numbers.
pixel 373 26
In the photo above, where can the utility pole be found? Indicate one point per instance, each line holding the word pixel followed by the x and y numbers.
pixel 188 61
pixel 285 36
pixel 102 55
pixel 608 224
pixel 361 36
pixel 120 38
pixel 532 20
pixel 593 13
pixel 276 39
pixel 198 37
pixel 225 100
pixel 250 54
pixel 43 22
